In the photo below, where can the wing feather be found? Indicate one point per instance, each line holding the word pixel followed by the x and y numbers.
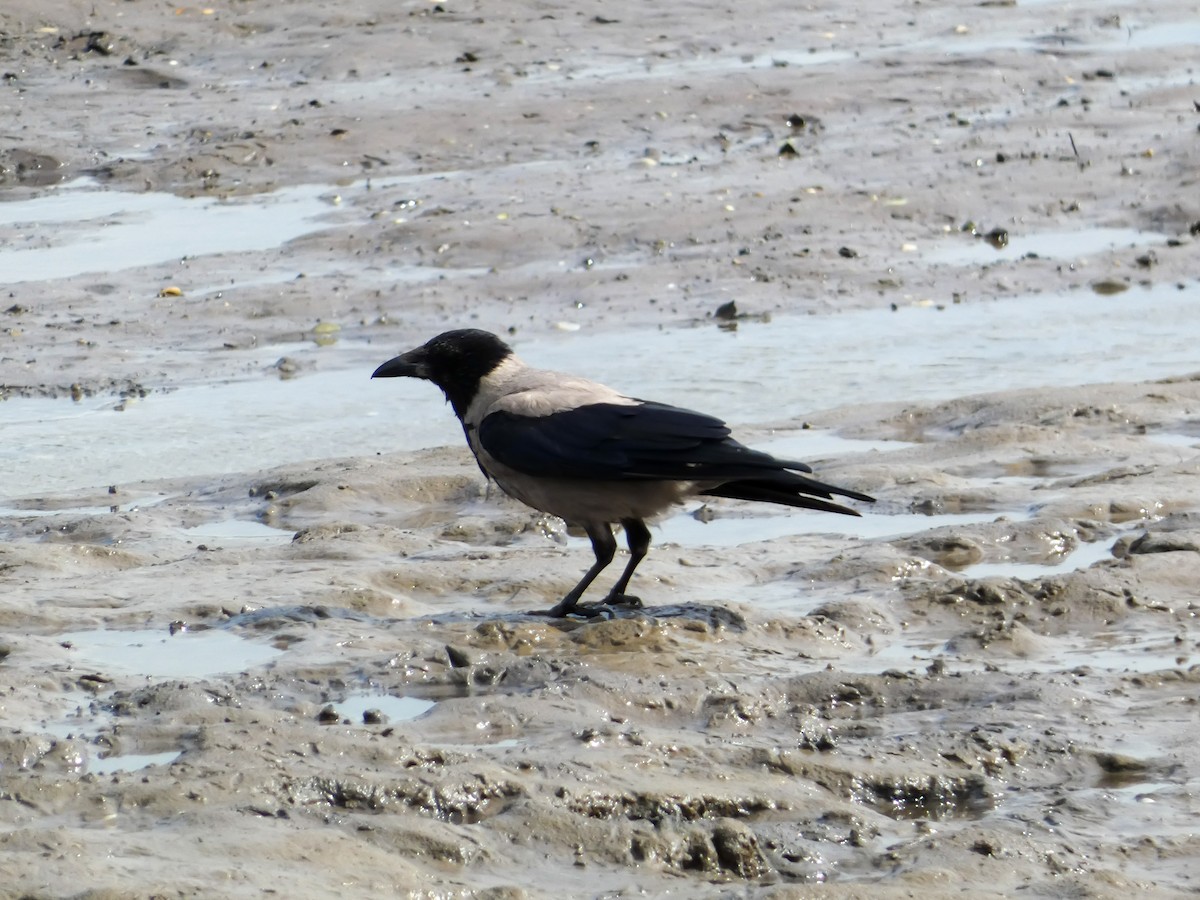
pixel 622 442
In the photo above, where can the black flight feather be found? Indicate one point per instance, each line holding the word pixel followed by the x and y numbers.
pixel 649 441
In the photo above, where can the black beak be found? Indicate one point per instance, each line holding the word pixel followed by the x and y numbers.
pixel 410 364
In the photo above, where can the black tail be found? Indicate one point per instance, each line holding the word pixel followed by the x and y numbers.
pixel 789 489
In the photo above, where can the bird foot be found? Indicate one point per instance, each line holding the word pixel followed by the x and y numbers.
pixel 626 600
pixel 602 610
pixel 591 611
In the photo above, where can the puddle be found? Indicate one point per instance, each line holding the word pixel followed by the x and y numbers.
pixel 1159 81
pixel 820 362
pixel 79 227
pixel 394 709
pixel 1122 655
pixel 640 68
pixel 811 445
pixel 1152 37
pixel 1173 439
pixel 502 744
pixel 732 530
pixel 613 69
pixel 237 531
pixel 130 762
pixel 216 429
pixel 83 719
pixel 963 249
pixel 1030 470
pixel 1129 37
pixel 17 512
pixel 1083 556
pixel 158 654
pixel 1111 652
pixel 87 716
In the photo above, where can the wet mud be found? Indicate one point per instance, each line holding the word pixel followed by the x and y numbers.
pixel 264 629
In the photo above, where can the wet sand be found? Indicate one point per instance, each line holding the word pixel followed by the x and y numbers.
pixel 263 628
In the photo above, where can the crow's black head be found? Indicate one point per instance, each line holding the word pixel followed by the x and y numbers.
pixel 455 361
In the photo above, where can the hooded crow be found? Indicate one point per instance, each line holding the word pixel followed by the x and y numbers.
pixel 592 456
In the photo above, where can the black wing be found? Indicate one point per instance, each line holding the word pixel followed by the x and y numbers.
pixel 614 442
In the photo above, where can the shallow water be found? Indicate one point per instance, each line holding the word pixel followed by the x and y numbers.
pixel 762 372
pixel 1080 558
pixel 77 716
pixel 642 68
pixel 1112 653
pixel 76 228
pixel 730 530
pixel 213 429
pixel 159 654
pixel 1139 35
pixel 80 227
pixel 812 444
pixel 393 708
pixel 1132 35
pixel 30 512
pixel 962 248
pixel 1174 439
pixel 795 364
pixel 130 762
pixel 238 531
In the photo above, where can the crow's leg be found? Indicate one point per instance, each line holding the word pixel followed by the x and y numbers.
pixel 638 537
pixel 604 545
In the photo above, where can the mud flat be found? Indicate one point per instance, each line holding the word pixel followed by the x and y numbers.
pixel 263 629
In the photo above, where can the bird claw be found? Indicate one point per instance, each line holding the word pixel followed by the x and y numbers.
pixel 591 611
pixel 602 610
pixel 627 600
